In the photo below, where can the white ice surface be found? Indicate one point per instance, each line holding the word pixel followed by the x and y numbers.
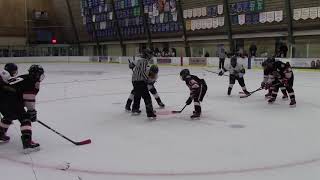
pixel 236 139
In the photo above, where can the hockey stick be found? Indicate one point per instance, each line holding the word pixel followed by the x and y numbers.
pixel 215 72
pixel 88 141
pixel 176 112
pixel 245 96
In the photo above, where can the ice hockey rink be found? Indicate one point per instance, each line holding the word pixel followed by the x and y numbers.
pixel 236 139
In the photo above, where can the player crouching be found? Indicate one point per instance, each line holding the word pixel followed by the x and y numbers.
pixel 281 76
pixel 236 73
pixel 198 89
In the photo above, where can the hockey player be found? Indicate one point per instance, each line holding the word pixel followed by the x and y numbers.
pixel 12 106
pixel 198 89
pixel 152 78
pixel 266 73
pixel 140 84
pixel 281 75
pixel 236 73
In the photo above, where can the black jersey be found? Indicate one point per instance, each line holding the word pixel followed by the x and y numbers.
pixel 26 89
pixel 193 83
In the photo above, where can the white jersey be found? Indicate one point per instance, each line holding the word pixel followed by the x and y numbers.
pixel 237 71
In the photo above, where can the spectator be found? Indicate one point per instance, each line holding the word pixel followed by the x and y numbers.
pixel 222 56
pixel 207 54
pixel 283 50
pixel 253 50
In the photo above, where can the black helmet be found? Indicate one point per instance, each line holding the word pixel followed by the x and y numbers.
pixel 36 72
pixel 154 69
pixel 12 68
pixel 184 73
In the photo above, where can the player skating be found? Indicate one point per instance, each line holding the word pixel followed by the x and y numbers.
pixel 19 95
pixel 236 71
pixel 198 89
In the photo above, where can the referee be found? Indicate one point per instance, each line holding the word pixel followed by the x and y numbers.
pixel 140 86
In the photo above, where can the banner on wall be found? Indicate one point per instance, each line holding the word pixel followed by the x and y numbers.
pixel 297 14
pixel 313 12
pixel 203 23
pixel 194 12
pixel 175 16
pixel 209 23
pixel 198 24
pixel 305 13
pixel 242 19
pixel 220 21
pixel 198 12
pixel 204 11
pixel 318 12
pixel 263 17
pixel 270 16
pixel 215 22
pixel 220 9
pixel 163 60
pixel 193 25
pixel 278 16
pixel 190 13
pixel 185 14
pixel 188 25
pixel 198 61
pixel 161 16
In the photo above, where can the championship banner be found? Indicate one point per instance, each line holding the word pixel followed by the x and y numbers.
pixel 198 12
pixel 185 14
pixel 209 23
pixel 193 25
pixel 204 11
pixel 198 61
pixel 190 13
pixel 255 18
pixel 318 12
pixel 221 21
pixel 248 18
pixel 234 20
pixel 242 19
pixel 194 12
pixel 220 9
pixel 278 16
pixel 297 14
pixel 161 17
pixel 163 60
pixel 215 22
pixel 259 5
pixel 173 5
pixel 246 6
pixel 313 12
pixel 263 17
pixel 175 16
pixel 233 8
pixel 203 23
pixel 305 13
pixel 252 5
pixel 198 24
pixel 270 16
pixel 188 25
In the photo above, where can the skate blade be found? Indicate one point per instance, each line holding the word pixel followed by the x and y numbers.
pixel 3 142
pixel 30 150
pixel 128 111
pixel 293 106
pixel 285 99
pixel 196 118
pixel 152 118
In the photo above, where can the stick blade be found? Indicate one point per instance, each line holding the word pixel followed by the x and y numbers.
pixel 88 141
pixel 176 112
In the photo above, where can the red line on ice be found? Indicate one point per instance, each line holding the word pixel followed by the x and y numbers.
pixel 200 173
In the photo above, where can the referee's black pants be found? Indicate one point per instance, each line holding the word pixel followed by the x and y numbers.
pixel 140 89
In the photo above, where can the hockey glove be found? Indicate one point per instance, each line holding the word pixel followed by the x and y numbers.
pixel 263 85
pixel 189 101
pixel 32 115
pixel 220 73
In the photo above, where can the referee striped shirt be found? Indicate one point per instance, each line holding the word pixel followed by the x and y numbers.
pixel 140 71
